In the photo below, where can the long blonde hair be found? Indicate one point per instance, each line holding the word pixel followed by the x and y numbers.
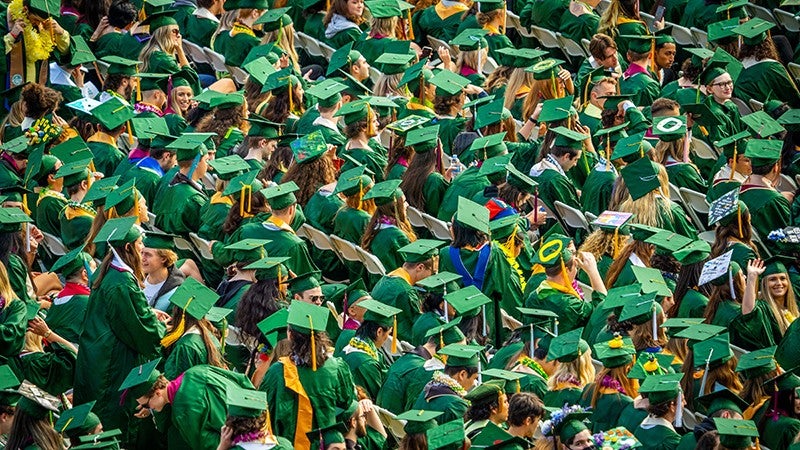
pixel 789 302
pixel 516 80
pixel 601 242
pixel 541 90
pixel 613 15
pixel 580 368
pixel 384 26
pixel 387 85
pixel 161 40
pixel 284 39
pixel 5 286
pixel 225 24
pixel 469 58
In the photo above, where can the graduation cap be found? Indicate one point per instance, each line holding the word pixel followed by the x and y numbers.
pixel 790 119
pixel 668 240
pixel 325 437
pixel 80 53
pixel 488 146
pixel 194 298
pixel 486 392
pixel 724 207
pixel 281 196
pixel 415 77
pixel 305 281
pixel 74 172
pixel 641 310
pixel 327 92
pixel 248 250
pixel 395 63
pixel 446 435
pixel 448 333
pixel 699 54
pixel 274 19
pixel 419 420
pixel 402 126
pixel 353 181
pixel 693 253
pixel 119 231
pixel 701 114
pixel 141 378
pixel 612 102
pixel 384 9
pixel 617 352
pixel 546 69
pixel 268 268
pixel 664 36
pixel 71 262
pixel 756 363
pixel 104 440
pixel 763 152
pixel 521 58
pixel 355 111
pixel 123 199
pixel 571 423
pixel 45 8
pixel 190 145
pixel 438 282
pixel 754 31
pixel 651 364
pixel 592 78
pixel 505 228
pixel 245 402
pixel 309 147
pixel 640 43
pixel 261 127
pixel 461 355
pixel 567 347
pixel 158 240
pixel 283 78
pixel 721 398
pixel 472 215
pixel 11 218
pixel 420 250
pixel 557 109
pixel 662 388
pixel 16 146
pixel 712 352
pixel 259 69
pixel 568 138
pixel 118 65
pixel 273 327
pixel 100 189
pixel 641 177
pixel 468 301
pixel 307 318
pixel 8 384
pixel 385 192
pixel 615 222
pixel 700 332
pixel 722 32
pixel 160 19
pixel 669 128
pixel 423 139
pixel 146 129
pixel 471 39
pixel 227 101
pixel 78 420
pixel 491 113
pixel 449 84
pixel 719 270
pixel 736 433
pixel 382 314
pixel 113 113
pixel 762 124
pixel 620 296
pixel 681 323
pixel 229 167
pixel 630 146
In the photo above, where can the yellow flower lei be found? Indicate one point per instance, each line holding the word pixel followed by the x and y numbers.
pixel 38 46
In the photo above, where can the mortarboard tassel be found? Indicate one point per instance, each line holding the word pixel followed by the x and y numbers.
pixel 313 345
pixel 394 335
pixel 291 97
pixel 177 332
pixel 655 324
pixel 679 409
pixel 532 344
pixel 705 373
pixel 370 124
pixel 730 284
pixel 733 164
pixel 483 318
pixel 536 204
pixel 408 24
pixel 739 221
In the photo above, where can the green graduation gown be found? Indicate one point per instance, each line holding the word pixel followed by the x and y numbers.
pixel 147 179
pixel 117 44
pixel 75 223
pixel 597 189
pixel 283 242
pixel 394 394
pixel 349 224
pixel 643 88
pixel 18 277
pixel 213 215
pixel 240 46
pixel 368 371
pixel 442 398
pixel 188 351
pixel 52 370
pixel 693 304
pixel 466 184
pixel 729 121
pixel 546 14
pixel 199 29
pixel 440 21
pixel 178 210
pixel 394 290
pixel 557 398
pixel 554 186
pixel 572 311
pixel 612 404
pixel 320 212
pixel 632 28
pixel 120 332
pixel 579 27
pixel 106 155
pixel 13 325
pixel 385 245
pixel 657 434
pixel 65 317
pixel 767 79
pixel 685 175
pixel 48 207
pixel 373 160
pixel 769 211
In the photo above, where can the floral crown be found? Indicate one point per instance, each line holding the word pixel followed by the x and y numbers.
pixel 548 426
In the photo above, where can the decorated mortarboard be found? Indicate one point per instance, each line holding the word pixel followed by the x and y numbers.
pixel 394 63
pixel 438 282
pixel 449 84
pixel 491 113
pixel 423 139
pixel 420 250
pixel 612 102
pixel 556 109
pixel 618 438
pixel 719 399
pixel 693 253
pixel 641 177
pixel 45 8
pixel 669 128
pixel 488 146
pixel 309 147
pixel 668 240
pixel 418 420
pixel 194 298
pixel 472 215
pixel 385 192
pixel 113 113
pixel 247 250
pixel 651 364
pixel 245 402
pixel 568 346
pixel 754 31
pixel 73 172
pixel 77 420
pixel 763 152
pixel 471 39
pixel 305 281
pixel 140 379
pixel 613 221
pixel 461 355
pixel 274 19
pixel 662 388
pixel 104 440
pixel 616 352
pixel 736 433
pixel 229 167
pixel 327 92
pixel 762 125
pixel 402 126
pixel 546 69
pixel 724 207
pixel 281 196
pixel 717 269
pixel 71 262
pixel 467 301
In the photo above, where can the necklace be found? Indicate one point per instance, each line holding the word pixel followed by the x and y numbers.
pixel 442 379
pixel 364 346
pixel 38 45
pixel 533 365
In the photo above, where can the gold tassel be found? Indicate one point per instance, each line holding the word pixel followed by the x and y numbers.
pixel 441 339
pixel 733 165
pixel 291 95
pixel 313 345
pixel 410 29
pixel 370 125
pixel 138 86
pixel 130 133
pixel 394 336
pixel 616 242
pixel 177 332
pixel 739 220
pixel 246 190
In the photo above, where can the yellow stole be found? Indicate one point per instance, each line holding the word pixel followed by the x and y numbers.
pixel 219 199
pixel 71 212
pixel 446 11
pixel 305 413
pixel 751 411
pixel 401 273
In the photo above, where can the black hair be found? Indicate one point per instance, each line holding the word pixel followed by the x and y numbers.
pixel 763 170
pixel 464 237
pixel 121 13
pixel 524 405
pixel 369 330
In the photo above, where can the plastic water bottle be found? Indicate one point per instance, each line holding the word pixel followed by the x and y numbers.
pixel 455 164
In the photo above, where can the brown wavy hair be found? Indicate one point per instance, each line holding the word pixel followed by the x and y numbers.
pixel 391 210
pixel 206 333
pixel 722 293
pixel 128 255
pixel 764 50
pixel 619 374
pixel 730 233
pixel 340 7
pixel 643 250
pixel 310 176
pixel 221 120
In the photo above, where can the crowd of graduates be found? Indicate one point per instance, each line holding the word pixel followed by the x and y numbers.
pixel 437 233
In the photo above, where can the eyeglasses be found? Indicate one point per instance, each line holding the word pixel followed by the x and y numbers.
pixel 317 298
pixel 724 84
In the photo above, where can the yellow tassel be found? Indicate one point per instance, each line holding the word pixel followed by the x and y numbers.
pixel 518 388
pixel 616 242
pixel 370 125
pixel 66 424
pixel 177 332
pixel 248 191
pixel 739 220
pixel 394 336
pixel 130 133
pixel 291 97
pixel 313 345
pixel 441 339
pixel 733 165
pixel 410 29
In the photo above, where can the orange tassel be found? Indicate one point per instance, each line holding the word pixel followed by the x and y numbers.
pixel 394 336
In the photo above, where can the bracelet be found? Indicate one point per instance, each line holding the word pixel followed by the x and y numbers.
pixel 47 335
pixel 534 121
pixel 12 35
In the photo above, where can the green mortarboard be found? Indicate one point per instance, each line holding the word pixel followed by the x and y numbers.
pixel 668 240
pixel 662 388
pixel 460 355
pixel 713 351
pixel 190 145
pixel 640 310
pixel 384 9
pixel 733 143
pixel 664 36
pixel 553 251
pixel 722 32
pixel 631 148
pixel 479 101
pixel 394 63
pixel 112 114
pixel 205 97
pixel 448 84
pixel 467 301
pixel 472 215
pixel 756 363
pixel 790 119
pixel 754 31
pixel 727 6
pixel 259 69
pixel 412 75
pixel 641 232
pixel 123 198
pixel 725 208
pixel 385 192
pixel 118 65
pixel 74 172
pixel 545 69
pixel 354 111
pixel 669 128
pixel 504 227
pixel 721 398
pixel 140 379
pixel 736 433
pixel 617 352
pixel 230 5
pixel 280 79
pixel 262 127
pixel 353 181
pixel 356 291
pixel 100 189
pixel 486 6
pixel 471 39
pixel 700 332
pixel 420 250
pixel 681 323
pixel 763 152
pixel 148 128
pixel 45 8
pixel 160 19
pixel 8 384
pixel 281 196
pixel 521 58
pixel 423 139
pixel 571 424
pixel 227 101
pixel 762 125
pixel 73 149
pixel 119 231
pixel 16 146
pixel 305 282
pixel 568 138
pixel 218 316
pixel 274 19
pixel 418 420
pixel 437 282
pixel 79 420
pixel 274 325
pixel 651 281
pixel 777 264
pixel 699 54
pixel 640 43
pixel 712 71
pixel 247 250
pixel 327 92
pixel 324 437
pixel 641 177
pixel 245 402
pixel 488 391
pixel 567 347
pixel 309 147
pixel 651 364
pixel 488 146
pixel 104 440
pixel 306 317
pixel 380 313
pixel 229 167
pixel 496 165
pixel 787 381
pixel 693 253
pixel 491 113
pixel 239 185
pixel 194 298
pixel 448 333
pixel 80 52
pixel 556 109
pixel 612 101
pixel 71 262
pixel 268 268
pixel 158 240
pixel 153 6
pixel 382 105
pixel 592 78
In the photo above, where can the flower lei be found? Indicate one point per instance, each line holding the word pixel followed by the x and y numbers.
pixel 364 346
pixel 533 365
pixel 548 426
pixel 240 28
pixel 42 131
pixel 249 437
pixel 38 46
pixel 442 379
pixel 610 383
pixel 619 438
pixel 145 107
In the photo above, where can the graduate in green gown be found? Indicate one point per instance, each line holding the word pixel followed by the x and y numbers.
pixel 719 85
pixel 76 218
pixel 440 21
pixel 666 405
pixel 231 170
pixel 472 51
pixel 637 80
pixel 66 315
pixel 446 390
pixel 360 121
pixel 387 19
pixel 722 403
pixel 448 104
pixel 242 37
pixel 305 388
pixel 488 405
pixel 51 200
pixel 550 171
pixel 120 330
pixel 777 427
pixel 580 21
pixel 690 302
pixel 242 254
pixel 388 230
pixel 344 23
pixel 611 391
pixel 33 412
pixel 248 421
pixel 11 220
pixel 352 218
pixel 763 77
pixel 671 147
pixel 112 118
pixel 323 117
pixel 425 183
pixel 202 23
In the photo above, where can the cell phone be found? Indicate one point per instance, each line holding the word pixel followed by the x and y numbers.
pixel 426 52
pixel 660 13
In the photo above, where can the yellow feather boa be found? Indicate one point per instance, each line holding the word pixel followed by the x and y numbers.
pixel 38 46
